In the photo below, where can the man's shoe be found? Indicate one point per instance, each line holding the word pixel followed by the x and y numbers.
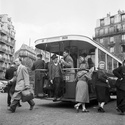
pixel 31 106
pixel 12 110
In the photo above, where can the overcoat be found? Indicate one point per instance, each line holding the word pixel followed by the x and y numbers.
pixel 22 81
pixel 120 73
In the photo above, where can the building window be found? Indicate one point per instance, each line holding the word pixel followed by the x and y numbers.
pixel 123 37
pixel 123 17
pixel 101 32
pixel 111 30
pixel 111 49
pixel 102 22
pixel 123 27
pixel 106 30
pixel 122 48
pixel 118 27
pixel 112 40
pixel 101 41
pixel 112 20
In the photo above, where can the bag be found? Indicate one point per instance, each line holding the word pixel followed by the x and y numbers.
pixel 27 95
pixel 118 83
pixel 47 85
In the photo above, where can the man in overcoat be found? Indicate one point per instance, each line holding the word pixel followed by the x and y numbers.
pixel 22 82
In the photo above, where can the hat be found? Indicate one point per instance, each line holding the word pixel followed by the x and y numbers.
pixel 39 55
pixel 83 54
pixel 101 62
pixel 54 56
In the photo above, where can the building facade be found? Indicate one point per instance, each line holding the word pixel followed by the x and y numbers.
pixel 110 32
pixel 7 41
pixel 27 54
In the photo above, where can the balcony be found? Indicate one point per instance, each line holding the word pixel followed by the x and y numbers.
pixel 110 33
pixel 2 49
pixel 122 42
pixel 2 59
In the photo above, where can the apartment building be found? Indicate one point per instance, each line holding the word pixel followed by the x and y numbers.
pixel 27 54
pixel 110 32
pixel 7 41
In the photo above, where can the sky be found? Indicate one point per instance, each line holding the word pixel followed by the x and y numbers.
pixel 36 19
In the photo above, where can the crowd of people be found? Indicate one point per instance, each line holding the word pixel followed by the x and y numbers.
pixel 18 80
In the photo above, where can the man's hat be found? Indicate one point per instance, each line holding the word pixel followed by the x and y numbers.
pixel 54 56
pixel 39 55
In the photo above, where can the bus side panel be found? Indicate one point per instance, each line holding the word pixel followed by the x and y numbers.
pixel 70 90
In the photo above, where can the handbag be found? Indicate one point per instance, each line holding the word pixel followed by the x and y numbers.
pixel 26 95
pixel 47 85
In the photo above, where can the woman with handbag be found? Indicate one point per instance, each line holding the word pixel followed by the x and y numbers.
pixel 82 92
pixel 102 87
pixel 120 85
pixel 22 83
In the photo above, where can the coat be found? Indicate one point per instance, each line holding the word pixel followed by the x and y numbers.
pixel 22 78
pixel 69 64
pixel 39 64
pixel 120 73
pixel 101 78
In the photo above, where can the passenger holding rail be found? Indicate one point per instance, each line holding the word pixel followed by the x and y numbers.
pixel 102 87
pixel 120 74
pixel 82 92
pixel 39 76
pixel 67 62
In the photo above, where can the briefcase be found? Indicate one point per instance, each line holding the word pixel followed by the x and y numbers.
pixel 27 95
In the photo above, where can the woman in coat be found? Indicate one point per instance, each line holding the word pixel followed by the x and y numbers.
pixel 82 92
pixel 102 87
pixel 120 74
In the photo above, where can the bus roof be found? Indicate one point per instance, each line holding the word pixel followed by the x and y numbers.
pixel 41 43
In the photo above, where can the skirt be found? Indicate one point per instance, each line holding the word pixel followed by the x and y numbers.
pixel 102 93
pixel 121 100
pixel 82 93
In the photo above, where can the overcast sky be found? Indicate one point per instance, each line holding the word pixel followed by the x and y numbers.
pixel 35 19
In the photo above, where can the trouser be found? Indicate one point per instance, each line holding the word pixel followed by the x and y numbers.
pixel 39 82
pixel 16 102
pixel 8 97
pixel 57 87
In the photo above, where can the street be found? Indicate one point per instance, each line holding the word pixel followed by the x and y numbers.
pixel 58 113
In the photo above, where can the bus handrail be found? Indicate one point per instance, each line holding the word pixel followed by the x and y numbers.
pixel 41 70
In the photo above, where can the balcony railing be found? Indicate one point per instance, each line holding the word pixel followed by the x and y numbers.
pixel 111 44
pixel 122 42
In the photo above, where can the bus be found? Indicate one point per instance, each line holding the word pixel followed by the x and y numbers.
pixel 78 44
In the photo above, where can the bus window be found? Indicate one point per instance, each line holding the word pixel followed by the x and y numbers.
pixel 109 63
pixel 101 55
pixel 115 64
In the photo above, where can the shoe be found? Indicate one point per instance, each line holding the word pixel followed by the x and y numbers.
pixel 31 106
pixel 12 110
pixel 55 99
pixel 77 108
pixel 100 109
pixel 85 111
pixel 19 105
pixel 118 110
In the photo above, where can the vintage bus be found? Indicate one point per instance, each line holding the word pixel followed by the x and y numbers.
pixel 78 44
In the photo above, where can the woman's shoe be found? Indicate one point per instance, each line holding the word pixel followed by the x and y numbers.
pixel 85 111
pixel 77 108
